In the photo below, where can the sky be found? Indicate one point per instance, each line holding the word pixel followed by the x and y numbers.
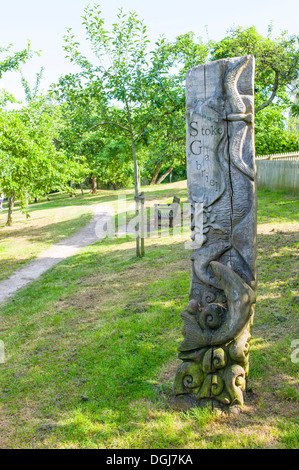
pixel 44 24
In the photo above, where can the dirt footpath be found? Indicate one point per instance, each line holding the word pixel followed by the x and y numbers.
pixel 90 234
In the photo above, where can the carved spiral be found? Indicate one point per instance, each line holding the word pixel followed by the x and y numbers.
pixel 239 348
pixel 211 317
pixel 188 381
pixel 188 377
pixel 208 297
pixel 217 385
pixel 235 383
pixel 214 359
pixel 219 358
pixel 196 292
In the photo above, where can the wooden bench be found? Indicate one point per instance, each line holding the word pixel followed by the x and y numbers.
pixel 166 212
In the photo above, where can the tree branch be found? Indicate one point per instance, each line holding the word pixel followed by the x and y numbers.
pixel 111 123
pixel 273 94
pixel 151 119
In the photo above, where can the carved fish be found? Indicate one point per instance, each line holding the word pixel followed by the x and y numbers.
pixel 240 298
pixel 202 259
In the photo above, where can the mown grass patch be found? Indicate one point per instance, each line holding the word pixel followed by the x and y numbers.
pixel 91 350
pixel 53 220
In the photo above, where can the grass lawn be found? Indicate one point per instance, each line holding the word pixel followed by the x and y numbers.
pixel 91 347
pixel 52 221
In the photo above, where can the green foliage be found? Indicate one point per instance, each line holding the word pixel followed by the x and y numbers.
pixel 277 62
pixel 30 165
pixel 115 162
pixel 107 154
pixel 185 52
pixel 271 133
pixel 32 94
pixel 80 110
pixel 14 59
pixel 129 101
pixel 137 87
pixel 165 145
pixel 6 98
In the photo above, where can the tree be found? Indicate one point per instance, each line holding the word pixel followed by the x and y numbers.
pixel 127 76
pixel 79 110
pixel 277 61
pixel 166 147
pixel 30 165
pixel 276 77
pixel 273 134
pixel 106 152
pixel 185 52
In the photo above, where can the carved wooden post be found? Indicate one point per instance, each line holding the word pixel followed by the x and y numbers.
pixel 222 193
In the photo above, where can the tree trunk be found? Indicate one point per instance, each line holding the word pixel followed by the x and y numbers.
pixel 273 94
pixel 94 186
pixel 165 174
pixel 11 202
pixel 156 173
pixel 136 187
pixel 136 182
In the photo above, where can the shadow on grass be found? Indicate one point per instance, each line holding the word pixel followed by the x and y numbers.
pixel 102 196
pixel 113 362
pixel 50 233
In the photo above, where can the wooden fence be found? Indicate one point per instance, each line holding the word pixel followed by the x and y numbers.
pixel 293 156
pixel 278 171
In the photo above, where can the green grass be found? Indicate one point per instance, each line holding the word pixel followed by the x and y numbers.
pixel 52 221
pixel 91 347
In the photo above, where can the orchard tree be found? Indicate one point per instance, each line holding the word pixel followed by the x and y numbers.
pixel 276 76
pixel 166 147
pixel 30 165
pixel 166 136
pixel 81 108
pixel 127 76
pixel 277 61
pixel 185 52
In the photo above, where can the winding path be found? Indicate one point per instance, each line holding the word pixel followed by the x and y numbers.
pixel 52 256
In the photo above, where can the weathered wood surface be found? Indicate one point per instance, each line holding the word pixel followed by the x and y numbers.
pixel 221 177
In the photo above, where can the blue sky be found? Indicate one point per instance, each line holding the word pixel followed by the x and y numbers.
pixel 44 23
